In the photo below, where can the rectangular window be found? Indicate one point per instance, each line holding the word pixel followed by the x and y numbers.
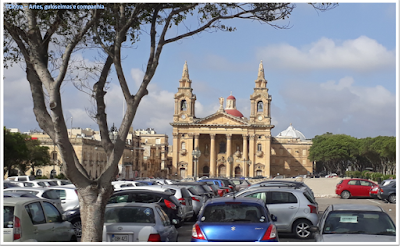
pixel 282 197
pixel 35 212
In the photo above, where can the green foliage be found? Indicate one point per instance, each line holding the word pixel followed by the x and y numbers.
pixel 42 177
pixel 15 150
pixel 60 176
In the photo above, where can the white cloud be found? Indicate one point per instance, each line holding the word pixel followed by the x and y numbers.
pixel 362 54
pixel 337 107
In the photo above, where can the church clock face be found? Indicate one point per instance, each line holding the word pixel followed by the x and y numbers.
pixel 183 116
pixel 260 117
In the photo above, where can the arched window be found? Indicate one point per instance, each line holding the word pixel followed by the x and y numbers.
pixel 222 147
pixel 183 145
pixel 259 147
pixel 53 173
pixel 183 105
pixel 39 172
pixel 259 106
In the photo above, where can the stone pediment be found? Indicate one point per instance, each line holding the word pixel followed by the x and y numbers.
pixel 221 119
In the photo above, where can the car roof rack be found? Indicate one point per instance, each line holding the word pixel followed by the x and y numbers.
pixel 280 185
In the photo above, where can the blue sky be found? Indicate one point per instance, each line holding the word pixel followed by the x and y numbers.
pixel 333 71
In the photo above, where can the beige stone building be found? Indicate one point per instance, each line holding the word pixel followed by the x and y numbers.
pixel 232 145
pixel 92 155
pixel 155 155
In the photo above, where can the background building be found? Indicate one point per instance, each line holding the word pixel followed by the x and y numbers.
pixel 230 144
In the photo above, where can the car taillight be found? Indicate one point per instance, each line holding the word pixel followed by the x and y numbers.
pixel 381 190
pixel 195 199
pixel 270 233
pixel 313 209
pixel 17 228
pixel 196 232
pixel 76 192
pixel 154 238
pixel 230 186
pixel 170 204
pixel 182 200
pixel 226 190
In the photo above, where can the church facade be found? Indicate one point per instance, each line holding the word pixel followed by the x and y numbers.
pixel 230 144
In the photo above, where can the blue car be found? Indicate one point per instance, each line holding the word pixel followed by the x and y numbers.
pixel 230 219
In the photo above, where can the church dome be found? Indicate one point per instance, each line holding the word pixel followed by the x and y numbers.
pixel 234 112
pixel 231 97
pixel 290 132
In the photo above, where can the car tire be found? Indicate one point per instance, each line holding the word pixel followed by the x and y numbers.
pixel 301 229
pixel 74 239
pixel 77 226
pixel 392 198
pixel 345 194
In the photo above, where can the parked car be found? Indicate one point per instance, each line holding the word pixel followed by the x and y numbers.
pixel 120 184
pixel 9 184
pixel 387 192
pixel 295 209
pixel 74 217
pixel 197 201
pixel 41 193
pixel 297 185
pixel 234 220
pixel 241 184
pixel 222 183
pixel 331 175
pixel 201 187
pixel 20 178
pixel 373 191
pixel 164 198
pixel 354 223
pixel 18 194
pixel 183 196
pixel 28 219
pixel 38 183
pixel 347 188
pixel 137 222
pixel 68 196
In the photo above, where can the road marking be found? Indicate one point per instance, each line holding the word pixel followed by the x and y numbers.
pixel 374 201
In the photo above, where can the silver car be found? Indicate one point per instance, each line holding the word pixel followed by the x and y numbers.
pixel 354 223
pixel 137 222
pixel 295 209
pixel 28 219
pixel 68 196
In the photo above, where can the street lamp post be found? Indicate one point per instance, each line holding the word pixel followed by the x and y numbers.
pixel 196 154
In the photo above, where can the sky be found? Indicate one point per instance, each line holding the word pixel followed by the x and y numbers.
pixel 332 71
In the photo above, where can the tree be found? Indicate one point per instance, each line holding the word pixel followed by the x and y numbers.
pixel 38 156
pixel 30 33
pixel 15 150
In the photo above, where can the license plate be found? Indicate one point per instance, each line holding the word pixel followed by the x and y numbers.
pixel 119 238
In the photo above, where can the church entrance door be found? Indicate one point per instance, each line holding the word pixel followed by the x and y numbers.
pixel 221 170
pixel 238 172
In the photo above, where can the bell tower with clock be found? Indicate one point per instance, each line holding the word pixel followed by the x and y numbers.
pixel 184 99
pixel 260 100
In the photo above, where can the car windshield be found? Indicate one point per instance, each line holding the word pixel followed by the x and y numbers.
pixel 234 212
pixel 359 222
pixel 129 215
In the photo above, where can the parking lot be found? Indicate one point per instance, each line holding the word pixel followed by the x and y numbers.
pixel 186 230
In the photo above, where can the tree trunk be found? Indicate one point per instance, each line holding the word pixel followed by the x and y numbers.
pixel 93 201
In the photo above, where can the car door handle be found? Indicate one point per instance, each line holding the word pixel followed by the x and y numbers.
pixel 35 231
pixel 292 207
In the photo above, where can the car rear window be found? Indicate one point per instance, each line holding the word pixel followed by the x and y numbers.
pixel 309 198
pixel 234 212
pixel 52 183
pixel 236 182
pixel 129 215
pixel 8 216
pixel 51 194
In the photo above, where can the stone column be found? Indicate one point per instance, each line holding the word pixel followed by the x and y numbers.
pixel 245 155
pixel 228 154
pixel 267 155
pixel 252 111
pixel 175 154
pixel 251 155
pixel 212 156
pixel 189 141
pixel 196 140
pixel 176 106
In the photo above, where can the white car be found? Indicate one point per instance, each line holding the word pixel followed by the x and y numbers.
pixel 121 184
pixel 29 219
pixel 331 175
pixel 41 193
pixel 68 196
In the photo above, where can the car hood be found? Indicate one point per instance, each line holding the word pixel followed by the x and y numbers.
pixel 356 238
pixel 235 232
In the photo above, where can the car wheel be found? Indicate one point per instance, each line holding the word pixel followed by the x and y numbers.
pixel 392 198
pixel 77 226
pixel 301 228
pixel 74 239
pixel 345 194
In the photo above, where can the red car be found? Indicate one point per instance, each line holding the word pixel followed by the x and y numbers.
pixel 354 188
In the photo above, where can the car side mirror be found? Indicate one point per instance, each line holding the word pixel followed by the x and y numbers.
pixel 174 222
pixel 274 218
pixel 314 229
